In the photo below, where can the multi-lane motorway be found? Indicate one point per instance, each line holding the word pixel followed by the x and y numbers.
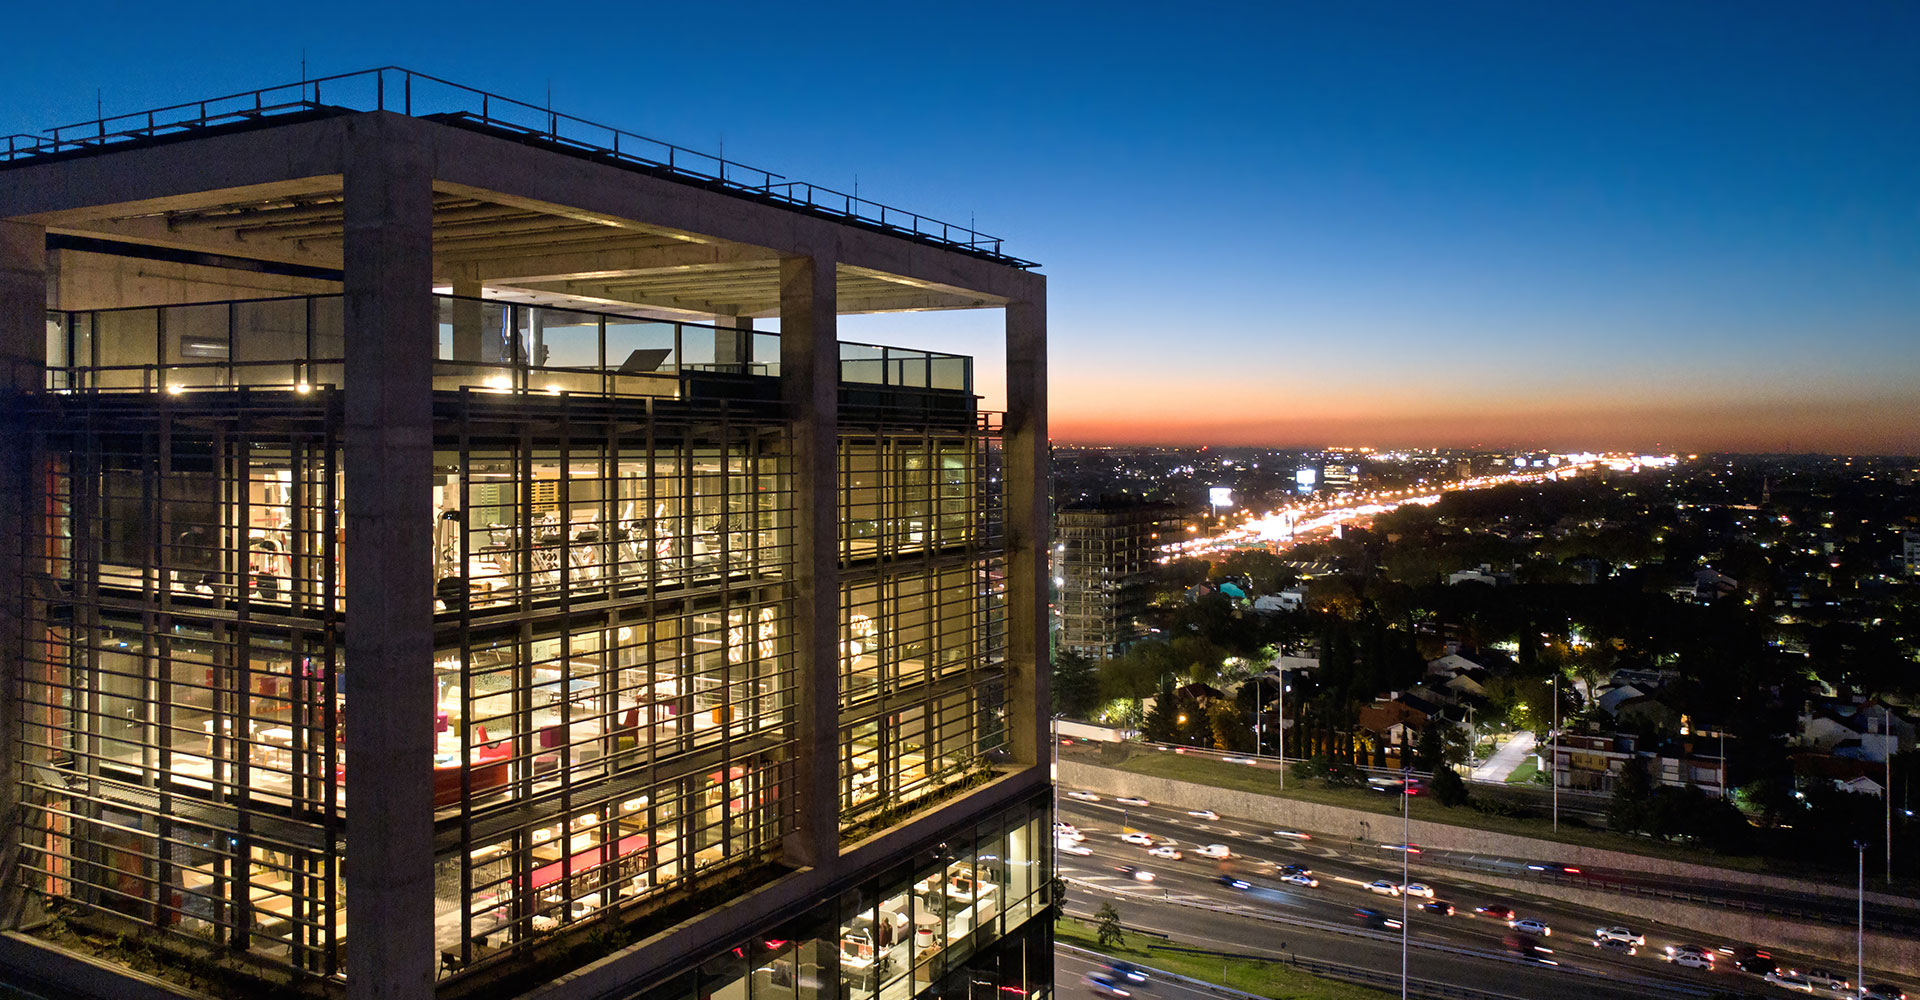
pixel 1187 902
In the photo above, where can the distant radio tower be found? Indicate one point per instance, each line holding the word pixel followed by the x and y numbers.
pixel 1766 491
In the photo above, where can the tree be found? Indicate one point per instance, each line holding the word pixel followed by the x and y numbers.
pixel 1163 720
pixel 1231 729
pixel 1076 689
pixel 1432 752
pixel 1449 789
pixel 1109 933
pixel 1632 797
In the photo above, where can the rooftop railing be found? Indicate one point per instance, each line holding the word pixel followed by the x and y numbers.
pixel 299 342
pixel 391 88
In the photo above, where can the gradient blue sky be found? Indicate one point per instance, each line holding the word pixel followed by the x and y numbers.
pixel 1690 225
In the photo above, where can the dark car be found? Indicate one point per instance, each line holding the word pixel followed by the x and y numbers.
pixel 1231 882
pixel 1128 971
pixel 1527 948
pixel 1495 910
pixel 1882 991
pixel 1295 870
pixel 1107 984
pixel 1758 965
pixel 1376 920
pixel 1615 944
pixel 1439 906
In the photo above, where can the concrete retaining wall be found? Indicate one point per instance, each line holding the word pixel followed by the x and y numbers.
pixel 1826 941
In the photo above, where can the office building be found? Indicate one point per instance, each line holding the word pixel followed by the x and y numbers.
pixel 1106 554
pixel 431 581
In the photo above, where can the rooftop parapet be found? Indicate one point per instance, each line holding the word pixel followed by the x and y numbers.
pixel 395 89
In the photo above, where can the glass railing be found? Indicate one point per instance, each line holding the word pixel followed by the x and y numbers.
pixel 299 342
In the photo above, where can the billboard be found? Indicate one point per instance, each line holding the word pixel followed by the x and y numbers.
pixel 1220 496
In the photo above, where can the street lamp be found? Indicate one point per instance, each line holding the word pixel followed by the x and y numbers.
pixel 1860 917
pixel 1553 751
pixel 1406 848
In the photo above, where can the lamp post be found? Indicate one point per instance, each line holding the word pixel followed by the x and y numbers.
pixel 1860 918
pixel 1553 751
pixel 1406 848
pixel 1281 724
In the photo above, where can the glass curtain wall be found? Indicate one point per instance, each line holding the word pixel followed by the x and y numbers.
pixel 920 674
pixel 956 920
pixel 181 707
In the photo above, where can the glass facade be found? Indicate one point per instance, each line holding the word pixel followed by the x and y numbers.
pixel 613 625
pixel 951 921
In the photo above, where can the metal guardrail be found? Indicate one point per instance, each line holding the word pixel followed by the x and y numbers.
pixel 394 88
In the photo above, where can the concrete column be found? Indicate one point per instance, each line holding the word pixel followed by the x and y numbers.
pixel 469 317
pixel 23 354
pixel 1028 477
pixel 732 343
pixel 389 573
pixel 810 383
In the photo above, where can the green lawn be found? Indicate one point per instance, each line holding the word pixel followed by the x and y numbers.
pixel 1261 978
pixel 1523 772
pixel 1208 771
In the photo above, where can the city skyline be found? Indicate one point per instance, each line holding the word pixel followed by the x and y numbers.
pixel 1489 225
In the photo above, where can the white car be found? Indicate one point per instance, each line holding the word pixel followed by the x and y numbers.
pixel 1069 847
pixel 1417 889
pixel 1083 796
pixel 1383 887
pixel 1213 851
pixel 1067 831
pixel 1691 960
pixel 1236 760
pixel 1617 933
pixel 1674 951
pixel 1166 851
pixel 1299 879
pixel 1790 981
pixel 1292 835
pixel 1137 839
pixel 1528 925
pixel 1823 979
pixel 1206 814
pixel 1132 800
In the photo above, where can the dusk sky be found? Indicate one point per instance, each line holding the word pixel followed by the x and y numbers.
pixel 1690 226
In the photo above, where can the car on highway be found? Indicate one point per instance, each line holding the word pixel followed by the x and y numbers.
pixel 1306 880
pixel 1758 965
pixel 1439 906
pixel 1882 991
pixel 1105 984
pixel 1128 971
pixel 1132 800
pixel 1236 760
pixel 1528 948
pixel 1167 851
pixel 1083 796
pixel 1295 870
pixel 1137 839
pixel 1827 979
pixel 1376 920
pixel 1206 814
pixel 1136 873
pixel 1495 910
pixel 1550 868
pixel 1233 883
pixel 1383 887
pixel 1419 889
pixel 1069 847
pixel 1674 950
pixel 1618 933
pixel 1408 848
pixel 1788 980
pixel 1616 944
pixel 1528 925
pixel 1691 960
pixel 1213 851
pixel 1292 835
pixel 1067 831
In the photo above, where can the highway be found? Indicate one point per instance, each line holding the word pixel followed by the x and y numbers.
pixel 1187 903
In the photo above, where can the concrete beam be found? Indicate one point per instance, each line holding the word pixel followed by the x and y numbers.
pixel 389 581
pixel 810 383
pixel 1029 476
pixel 598 264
